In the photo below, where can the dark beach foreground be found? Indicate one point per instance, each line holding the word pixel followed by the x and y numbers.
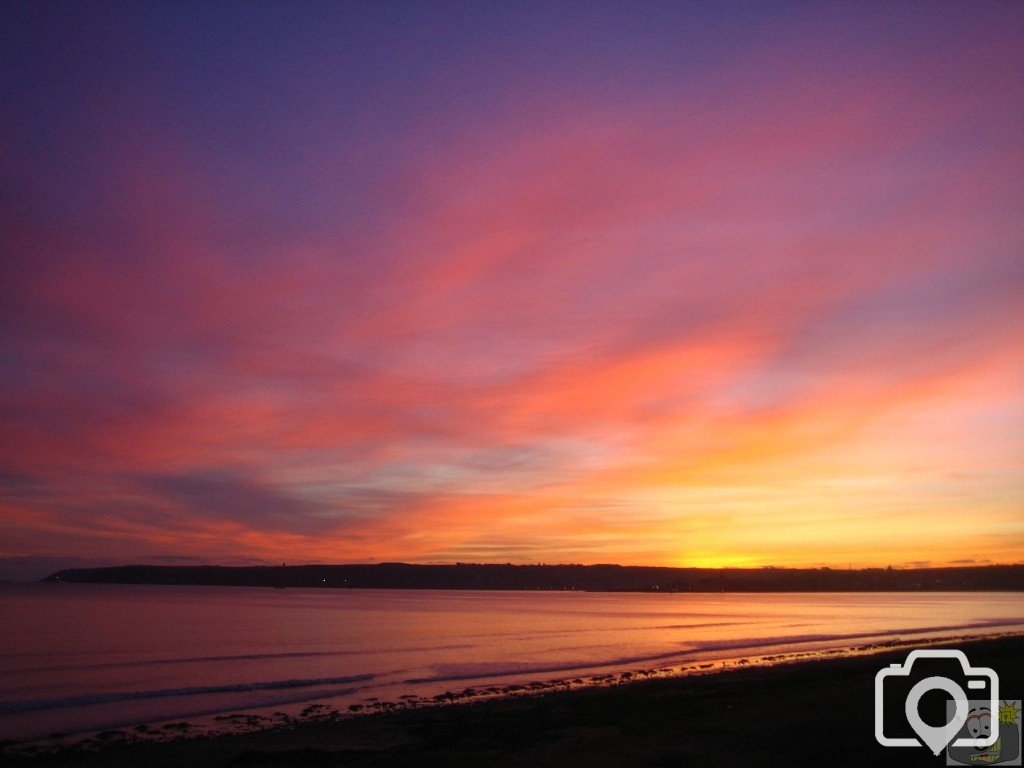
pixel 810 713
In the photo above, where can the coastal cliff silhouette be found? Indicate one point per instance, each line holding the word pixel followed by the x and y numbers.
pixel 592 578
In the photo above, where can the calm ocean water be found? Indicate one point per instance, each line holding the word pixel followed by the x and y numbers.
pixel 85 657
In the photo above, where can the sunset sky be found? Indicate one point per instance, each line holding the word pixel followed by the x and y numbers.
pixel 673 284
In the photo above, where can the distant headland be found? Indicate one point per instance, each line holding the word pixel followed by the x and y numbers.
pixel 590 578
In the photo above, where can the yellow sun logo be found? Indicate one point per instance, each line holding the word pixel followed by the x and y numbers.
pixel 1008 713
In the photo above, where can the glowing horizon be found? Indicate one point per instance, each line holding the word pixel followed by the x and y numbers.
pixel 704 285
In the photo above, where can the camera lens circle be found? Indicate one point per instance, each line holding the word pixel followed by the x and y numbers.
pixel 936 738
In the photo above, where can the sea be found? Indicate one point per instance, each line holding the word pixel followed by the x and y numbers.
pixel 79 658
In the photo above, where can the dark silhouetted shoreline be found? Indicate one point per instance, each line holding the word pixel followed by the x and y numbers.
pixel 815 713
pixel 591 578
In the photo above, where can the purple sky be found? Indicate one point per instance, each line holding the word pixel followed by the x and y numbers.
pixel 681 284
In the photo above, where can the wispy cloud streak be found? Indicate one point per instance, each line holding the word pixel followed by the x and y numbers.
pixel 691 290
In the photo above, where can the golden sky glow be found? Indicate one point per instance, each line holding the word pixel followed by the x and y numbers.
pixel 664 286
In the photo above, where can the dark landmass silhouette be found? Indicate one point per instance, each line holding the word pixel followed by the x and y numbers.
pixel 590 578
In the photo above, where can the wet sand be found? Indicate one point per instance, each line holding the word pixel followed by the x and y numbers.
pixel 801 712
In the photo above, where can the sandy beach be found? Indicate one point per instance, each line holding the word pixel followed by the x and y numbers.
pixel 798 713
